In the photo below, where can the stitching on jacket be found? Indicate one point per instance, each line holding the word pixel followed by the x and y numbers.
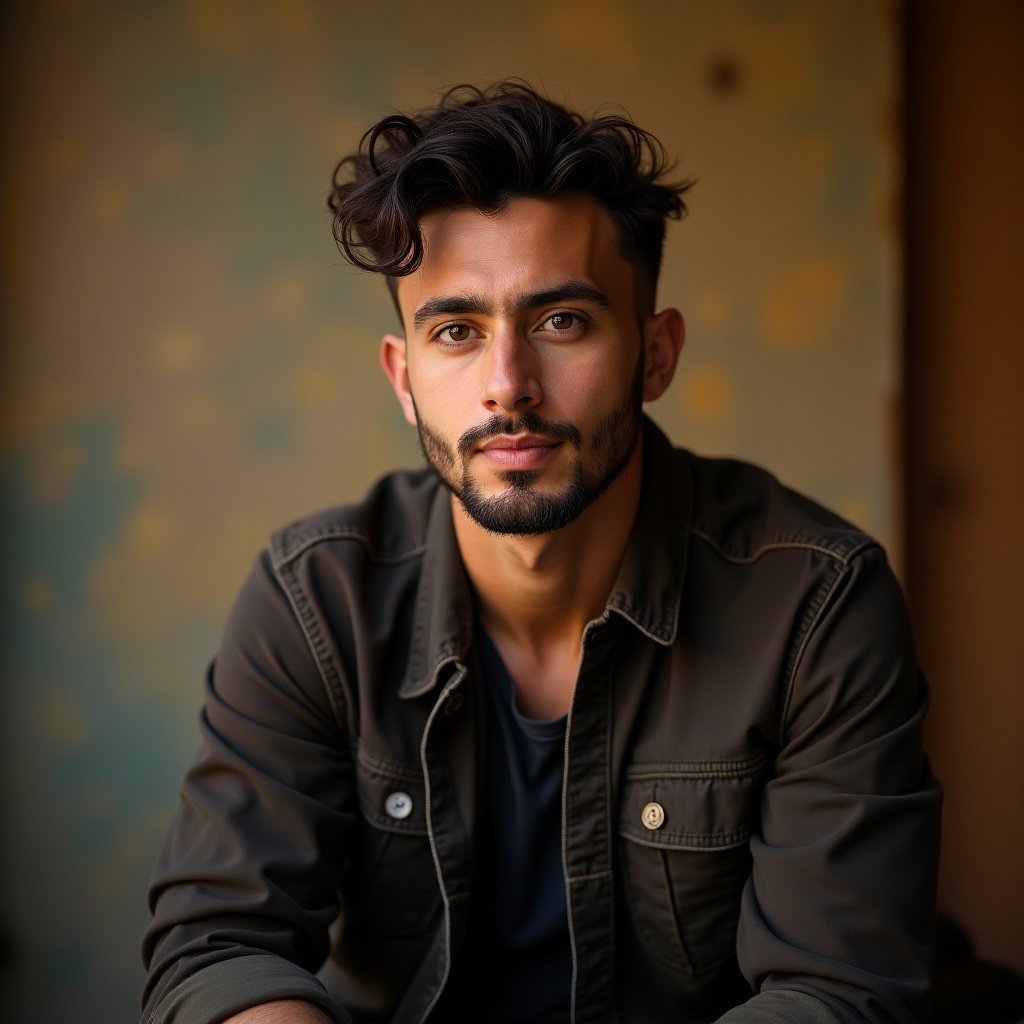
pixel 385 766
pixel 729 769
pixel 282 553
pixel 808 624
pixel 694 842
pixel 857 543
pixel 314 638
pixel 594 876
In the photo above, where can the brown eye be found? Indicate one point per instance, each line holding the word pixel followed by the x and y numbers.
pixel 562 321
pixel 457 332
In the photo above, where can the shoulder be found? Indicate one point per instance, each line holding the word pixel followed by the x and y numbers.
pixel 744 513
pixel 806 578
pixel 389 524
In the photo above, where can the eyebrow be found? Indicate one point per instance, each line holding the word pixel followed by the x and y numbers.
pixel 466 302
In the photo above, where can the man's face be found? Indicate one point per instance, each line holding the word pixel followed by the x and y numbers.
pixel 523 363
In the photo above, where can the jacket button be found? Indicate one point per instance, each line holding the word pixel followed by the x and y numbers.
pixel 453 704
pixel 653 816
pixel 398 805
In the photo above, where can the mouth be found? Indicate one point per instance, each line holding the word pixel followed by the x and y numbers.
pixel 518 442
pixel 518 451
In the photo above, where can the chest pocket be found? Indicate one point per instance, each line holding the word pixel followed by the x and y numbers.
pixel 683 829
pixel 395 890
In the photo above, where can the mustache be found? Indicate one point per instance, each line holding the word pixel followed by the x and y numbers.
pixel 527 423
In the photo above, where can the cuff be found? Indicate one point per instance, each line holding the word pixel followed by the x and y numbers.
pixel 213 994
pixel 777 1007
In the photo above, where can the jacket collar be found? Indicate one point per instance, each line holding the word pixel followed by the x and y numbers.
pixel 647 592
pixel 649 588
pixel 442 624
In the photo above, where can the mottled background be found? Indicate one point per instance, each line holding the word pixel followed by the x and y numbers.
pixel 187 362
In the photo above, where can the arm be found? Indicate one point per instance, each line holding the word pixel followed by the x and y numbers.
pixel 246 887
pixel 837 919
pixel 282 1011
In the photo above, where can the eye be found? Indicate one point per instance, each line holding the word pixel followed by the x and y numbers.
pixel 454 334
pixel 562 322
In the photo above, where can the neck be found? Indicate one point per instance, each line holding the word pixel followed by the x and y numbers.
pixel 541 590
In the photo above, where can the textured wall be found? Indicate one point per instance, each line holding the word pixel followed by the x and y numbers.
pixel 187 363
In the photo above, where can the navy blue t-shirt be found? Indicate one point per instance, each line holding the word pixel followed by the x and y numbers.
pixel 520 963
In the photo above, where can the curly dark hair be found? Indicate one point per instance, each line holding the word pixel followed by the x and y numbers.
pixel 481 148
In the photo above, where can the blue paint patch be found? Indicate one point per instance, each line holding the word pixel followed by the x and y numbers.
pixel 58 540
pixel 272 434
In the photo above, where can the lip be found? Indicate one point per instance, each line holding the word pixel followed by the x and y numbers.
pixel 518 451
pixel 518 442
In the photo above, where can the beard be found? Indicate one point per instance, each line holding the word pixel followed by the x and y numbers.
pixel 521 509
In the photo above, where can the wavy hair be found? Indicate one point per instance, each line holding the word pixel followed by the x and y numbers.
pixel 482 148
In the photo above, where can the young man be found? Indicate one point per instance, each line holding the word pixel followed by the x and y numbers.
pixel 572 725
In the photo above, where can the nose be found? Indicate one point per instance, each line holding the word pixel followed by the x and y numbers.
pixel 511 374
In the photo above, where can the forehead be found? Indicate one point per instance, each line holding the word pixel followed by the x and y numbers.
pixel 529 245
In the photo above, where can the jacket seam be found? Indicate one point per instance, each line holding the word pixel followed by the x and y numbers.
pixel 808 625
pixel 738 769
pixel 310 626
pixel 283 554
pixel 697 842
pixel 593 876
pixel 385 766
pixel 843 557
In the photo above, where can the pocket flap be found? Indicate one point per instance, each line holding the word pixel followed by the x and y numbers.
pixel 691 805
pixel 391 795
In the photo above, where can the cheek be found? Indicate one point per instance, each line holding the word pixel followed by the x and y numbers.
pixel 440 396
pixel 592 382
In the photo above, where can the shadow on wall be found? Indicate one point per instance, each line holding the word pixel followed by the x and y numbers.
pixel 970 990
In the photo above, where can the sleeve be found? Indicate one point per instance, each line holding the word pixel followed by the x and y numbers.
pixel 246 886
pixel 837 919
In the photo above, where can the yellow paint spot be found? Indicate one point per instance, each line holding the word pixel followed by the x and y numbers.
pixel 37 594
pixel 109 203
pixel 857 509
pixel 151 530
pixel 293 17
pixel 334 127
pixel 316 385
pixel 599 28
pixel 64 724
pixel 818 155
pixel 708 393
pixel 177 350
pixel 231 26
pixel 61 157
pixel 31 413
pixel 197 415
pixel 713 310
pixel 223 25
pixel 800 311
pixel 289 293
pixel 200 581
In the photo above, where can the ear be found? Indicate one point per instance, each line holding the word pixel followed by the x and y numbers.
pixel 396 369
pixel 664 334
